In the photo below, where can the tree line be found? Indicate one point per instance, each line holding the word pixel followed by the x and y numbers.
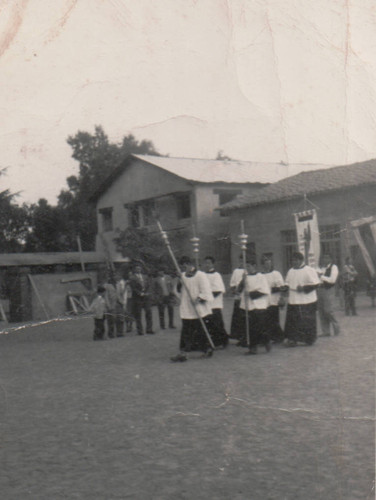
pixel 42 227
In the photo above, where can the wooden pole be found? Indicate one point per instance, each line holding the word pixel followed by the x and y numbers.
pixel 2 313
pixel 243 245
pixel 81 256
pixel 38 295
pixel 167 243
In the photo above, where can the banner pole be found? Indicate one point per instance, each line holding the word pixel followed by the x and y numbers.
pixel 243 245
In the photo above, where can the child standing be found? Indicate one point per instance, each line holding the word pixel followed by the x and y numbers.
pixel 98 307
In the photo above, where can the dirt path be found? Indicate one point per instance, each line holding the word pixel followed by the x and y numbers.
pixel 116 420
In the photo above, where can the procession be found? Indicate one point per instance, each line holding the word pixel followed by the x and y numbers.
pixel 261 296
pixel 188 250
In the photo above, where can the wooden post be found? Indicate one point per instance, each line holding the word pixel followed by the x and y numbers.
pixel 81 256
pixel 38 295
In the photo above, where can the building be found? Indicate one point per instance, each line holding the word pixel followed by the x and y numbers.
pixel 184 194
pixel 340 194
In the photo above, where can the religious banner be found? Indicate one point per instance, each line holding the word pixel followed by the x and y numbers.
pixel 308 236
pixel 365 235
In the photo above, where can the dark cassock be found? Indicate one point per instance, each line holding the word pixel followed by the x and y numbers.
pixel 193 337
pixel 300 324
pixel 255 294
pixel 216 324
pixel 276 285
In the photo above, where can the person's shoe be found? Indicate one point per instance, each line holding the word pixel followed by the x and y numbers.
pixel 179 358
pixel 268 346
pixel 140 333
pixel 207 354
pixel 251 351
pixel 120 335
pixel 111 336
pixel 172 327
pixel 291 343
pixel 324 335
pixel 150 332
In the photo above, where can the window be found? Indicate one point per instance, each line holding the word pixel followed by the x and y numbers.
pixel 183 203
pixel 148 211
pixel 330 242
pixel 141 214
pixel 289 242
pixel 134 215
pixel 106 215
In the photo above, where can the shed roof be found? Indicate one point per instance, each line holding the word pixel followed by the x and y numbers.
pixel 308 183
pixel 48 258
pixel 212 171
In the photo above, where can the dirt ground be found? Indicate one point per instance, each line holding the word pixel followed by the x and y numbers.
pixel 117 420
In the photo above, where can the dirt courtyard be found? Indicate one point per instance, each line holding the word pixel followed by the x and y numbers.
pixel 117 420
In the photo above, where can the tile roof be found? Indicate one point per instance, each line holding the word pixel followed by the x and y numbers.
pixel 312 182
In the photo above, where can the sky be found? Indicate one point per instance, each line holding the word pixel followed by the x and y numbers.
pixel 261 80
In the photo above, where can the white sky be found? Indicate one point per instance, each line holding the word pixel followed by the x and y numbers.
pixel 262 80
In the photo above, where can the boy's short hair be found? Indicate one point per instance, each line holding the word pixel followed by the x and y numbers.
pixel 252 259
pixel 101 289
pixel 209 257
pixel 185 260
pixel 298 256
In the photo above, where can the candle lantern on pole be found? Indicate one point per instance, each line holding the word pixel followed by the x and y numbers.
pixel 243 238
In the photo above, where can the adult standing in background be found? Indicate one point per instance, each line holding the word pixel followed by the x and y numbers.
pixel 163 290
pixel 302 282
pixel 328 277
pixel 348 282
pixel 121 302
pixel 141 285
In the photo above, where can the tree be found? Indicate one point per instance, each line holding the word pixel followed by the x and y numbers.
pixel 148 248
pixel 48 229
pixel 14 222
pixel 221 156
pixel 97 158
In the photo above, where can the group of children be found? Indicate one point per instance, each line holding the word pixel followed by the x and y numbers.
pixel 259 295
pixel 258 298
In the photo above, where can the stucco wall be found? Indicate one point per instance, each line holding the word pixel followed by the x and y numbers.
pixel 142 182
pixel 138 182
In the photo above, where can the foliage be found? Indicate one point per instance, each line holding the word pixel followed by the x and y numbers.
pixel 13 222
pixel 221 156
pixel 146 247
pixel 97 158
pixel 48 229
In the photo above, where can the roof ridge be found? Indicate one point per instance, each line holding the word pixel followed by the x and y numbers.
pixel 282 164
